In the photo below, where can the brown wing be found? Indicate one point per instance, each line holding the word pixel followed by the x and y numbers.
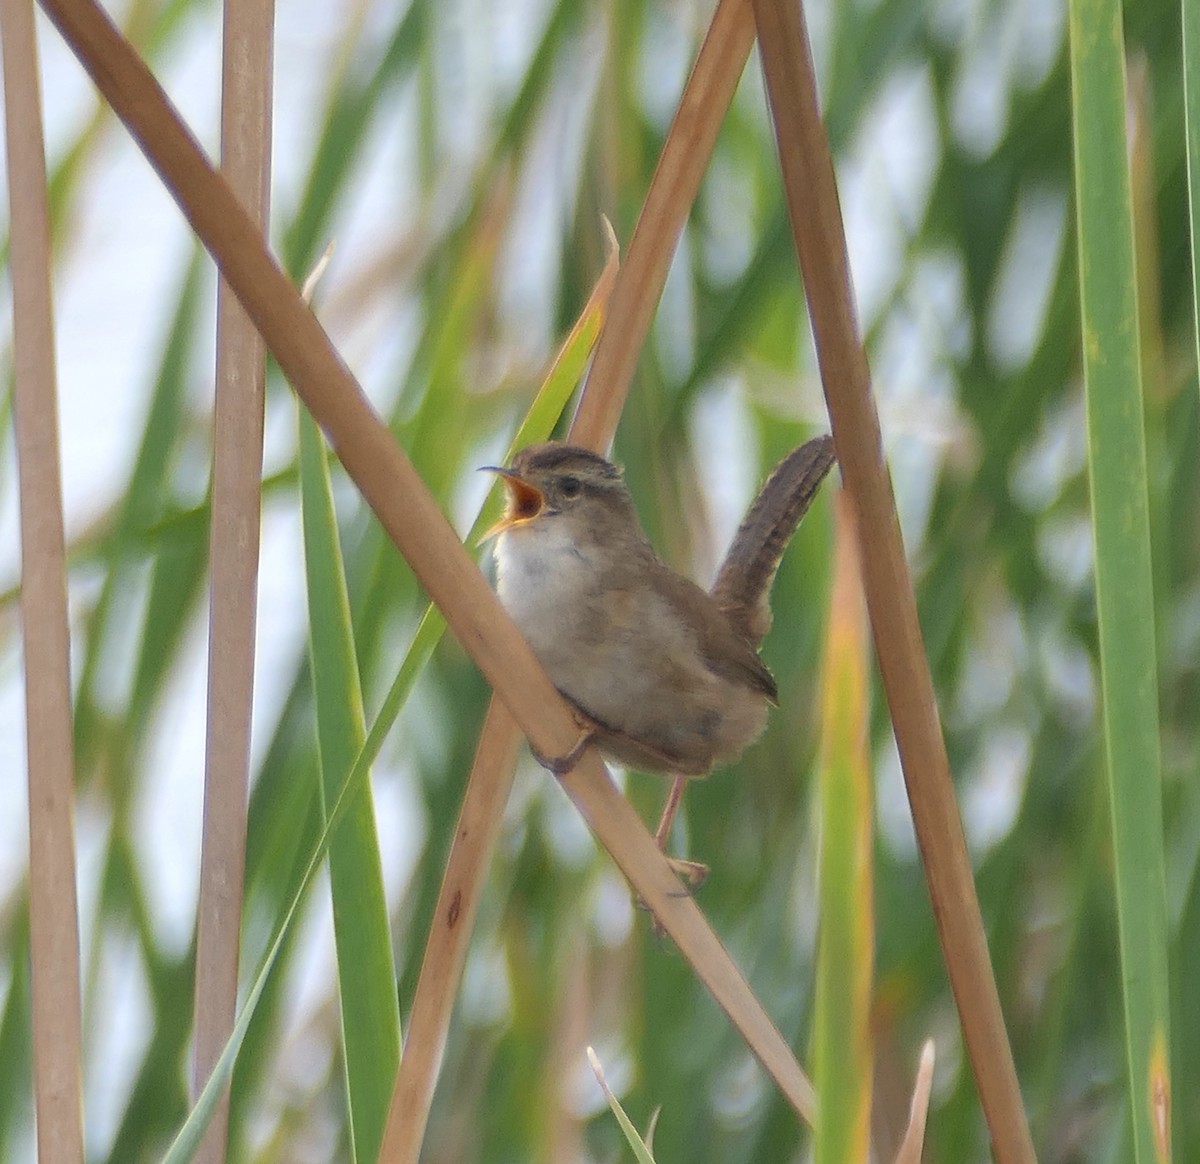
pixel 744 579
pixel 725 651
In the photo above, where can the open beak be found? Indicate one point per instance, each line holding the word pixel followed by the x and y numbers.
pixel 524 501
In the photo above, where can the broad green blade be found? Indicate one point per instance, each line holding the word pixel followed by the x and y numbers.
pixel 1121 532
pixel 845 956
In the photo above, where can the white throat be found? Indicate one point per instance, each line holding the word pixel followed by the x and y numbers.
pixel 542 576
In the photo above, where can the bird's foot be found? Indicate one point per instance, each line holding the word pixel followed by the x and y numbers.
pixel 561 765
pixel 692 874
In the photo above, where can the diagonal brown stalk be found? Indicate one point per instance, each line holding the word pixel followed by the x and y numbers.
pixel 471 851
pixel 237 469
pixel 53 907
pixel 812 196
pixel 410 515
pixel 669 199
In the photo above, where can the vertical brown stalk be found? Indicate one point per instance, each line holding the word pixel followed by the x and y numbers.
pixel 821 245
pixel 234 540
pixel 53 908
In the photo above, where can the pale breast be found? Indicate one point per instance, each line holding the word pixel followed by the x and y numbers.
pixel 544 582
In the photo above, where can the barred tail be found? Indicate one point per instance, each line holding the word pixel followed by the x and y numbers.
pixel 744 580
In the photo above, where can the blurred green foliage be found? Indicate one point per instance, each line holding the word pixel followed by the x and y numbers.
pixel 501 135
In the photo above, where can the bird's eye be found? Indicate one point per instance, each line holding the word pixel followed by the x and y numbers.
pixel 569 487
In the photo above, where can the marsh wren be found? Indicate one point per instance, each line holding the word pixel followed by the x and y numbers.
pixel 665 675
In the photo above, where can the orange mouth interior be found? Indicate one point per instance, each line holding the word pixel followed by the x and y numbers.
pixel 525 502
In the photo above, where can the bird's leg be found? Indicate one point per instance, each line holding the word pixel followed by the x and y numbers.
pixel 670 810
pixel 693 873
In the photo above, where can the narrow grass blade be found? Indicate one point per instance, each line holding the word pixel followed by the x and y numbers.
pixel 186 1143
pixel 366 972
pixel 340 137
pixel 842 1065
pixel 641 1151
pixel 1121 532
pixel 16 1068
pixel 914 1135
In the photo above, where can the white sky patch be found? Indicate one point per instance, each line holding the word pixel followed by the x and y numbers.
pixel 1021 293
pixel 167 814
pixel 995 787
pixel 886 180
pixel 120 1030
pixel 723 441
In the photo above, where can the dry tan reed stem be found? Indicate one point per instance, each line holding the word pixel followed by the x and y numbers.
pixel 821 245
pixel 234 537
pixel 471 851
pixel 410 515
pixel 53 908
